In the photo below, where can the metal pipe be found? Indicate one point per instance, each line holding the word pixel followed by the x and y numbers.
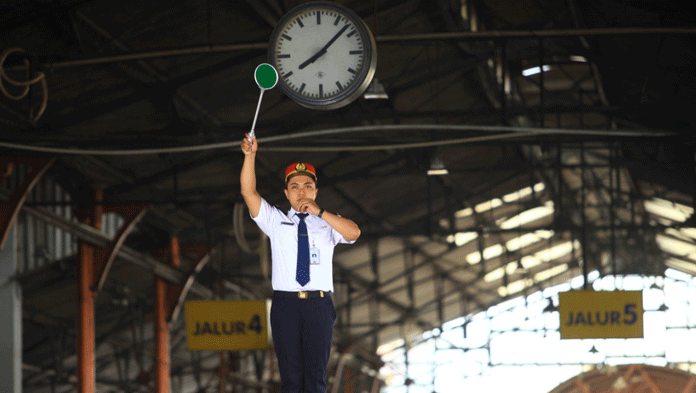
pixel 461 35
pixel 536 34
pixel 501 133
pixel 174 52
pixel 542 112
pixel 583 217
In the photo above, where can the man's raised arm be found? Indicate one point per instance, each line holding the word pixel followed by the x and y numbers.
pixel 247 178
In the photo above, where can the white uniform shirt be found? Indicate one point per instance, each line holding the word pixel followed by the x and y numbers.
pixel 281 229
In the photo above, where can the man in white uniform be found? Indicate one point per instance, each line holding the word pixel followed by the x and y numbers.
pixel 302 244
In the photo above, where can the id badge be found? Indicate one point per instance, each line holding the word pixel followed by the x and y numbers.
pixel 313 256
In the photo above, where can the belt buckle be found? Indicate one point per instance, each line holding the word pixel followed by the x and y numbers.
pixel 302 295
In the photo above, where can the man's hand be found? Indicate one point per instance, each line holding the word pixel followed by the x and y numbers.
pixel 308 205
pixel 249 147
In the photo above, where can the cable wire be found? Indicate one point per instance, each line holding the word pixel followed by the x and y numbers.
pixel 40 78
pixel 507 132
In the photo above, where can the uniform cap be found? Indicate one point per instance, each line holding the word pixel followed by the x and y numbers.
pixel 300 168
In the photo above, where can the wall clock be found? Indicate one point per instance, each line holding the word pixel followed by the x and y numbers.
pixel 324 53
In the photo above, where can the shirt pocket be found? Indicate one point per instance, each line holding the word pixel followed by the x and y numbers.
pixel 286 236
pixel 320 237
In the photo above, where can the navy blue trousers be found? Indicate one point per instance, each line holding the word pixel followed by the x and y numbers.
pixel 302 333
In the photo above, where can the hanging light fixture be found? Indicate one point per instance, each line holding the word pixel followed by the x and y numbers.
pixel 375 91
pixel 437 168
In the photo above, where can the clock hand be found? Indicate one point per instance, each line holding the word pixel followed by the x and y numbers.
pixel 322 51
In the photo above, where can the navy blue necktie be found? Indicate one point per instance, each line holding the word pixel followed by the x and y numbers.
pixel 302 274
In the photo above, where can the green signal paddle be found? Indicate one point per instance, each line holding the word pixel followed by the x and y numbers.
pixel 266 78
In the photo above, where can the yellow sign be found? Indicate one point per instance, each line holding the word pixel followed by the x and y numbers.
pixel 608 314
pixel 226 325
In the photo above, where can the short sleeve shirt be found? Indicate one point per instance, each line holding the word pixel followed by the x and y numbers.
pixel 281 229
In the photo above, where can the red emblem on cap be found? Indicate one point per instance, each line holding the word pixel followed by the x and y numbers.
pixel 300 168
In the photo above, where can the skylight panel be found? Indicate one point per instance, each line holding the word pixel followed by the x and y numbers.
pixel 520 285
pixel 390 346
pixel 667 209
pixel 527 239
pixel 488 205
pixel 498 273
pixel 497 202
pixel 535 70
pixel 488 253
pixel 462 238
pixel 514 287
pixel 674 246
pixel 528 216
pixel 690 232
pixel 464 213
pixel 519 194
pixel 552 272
pixel 555 252
pixel 530 261
pixel 681 265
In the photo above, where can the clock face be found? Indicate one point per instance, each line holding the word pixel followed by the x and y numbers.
pixel 324 55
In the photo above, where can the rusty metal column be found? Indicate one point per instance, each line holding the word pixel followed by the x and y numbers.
pixel 85 306
pixel 162 361
pixel 348 376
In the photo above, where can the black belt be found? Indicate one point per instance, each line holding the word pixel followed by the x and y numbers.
pixel 302 294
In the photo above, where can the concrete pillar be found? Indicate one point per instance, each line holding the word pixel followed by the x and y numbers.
pixel 11 311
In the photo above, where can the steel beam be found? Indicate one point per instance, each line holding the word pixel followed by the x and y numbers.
pixel 96 238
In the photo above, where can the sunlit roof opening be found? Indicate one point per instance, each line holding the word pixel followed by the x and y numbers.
pixel 488 205
pixel 496 202
pixel 527 239
pixel 528 216
pixel 527 261
pixel 688 231
pixel 388 347
pixel 497 274
pixel 682 265
pixel 549 254
pixel 520 285
pixel 515 287
pixel 552 272
pixel 674 246
pixel 667 209
pixel 679 234
pixel 524 192
pixel 493 251
pixel 535 70
pixel 462 238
